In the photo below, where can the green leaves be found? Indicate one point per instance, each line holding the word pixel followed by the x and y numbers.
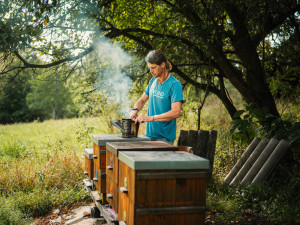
pixel 238 114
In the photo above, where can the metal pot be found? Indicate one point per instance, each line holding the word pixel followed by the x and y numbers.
pixel 128 127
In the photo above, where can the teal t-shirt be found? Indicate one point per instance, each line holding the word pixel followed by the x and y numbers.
pixel 161 96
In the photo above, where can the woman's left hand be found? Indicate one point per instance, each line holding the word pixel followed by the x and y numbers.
pixel 143 118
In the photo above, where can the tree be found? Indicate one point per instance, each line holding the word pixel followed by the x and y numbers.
pixel 13 107
pixel 208 42
pixel 41 100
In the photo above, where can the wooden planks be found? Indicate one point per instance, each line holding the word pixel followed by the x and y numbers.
pixel 126 200
pixel 112 183
pixel 100 168
pixel 89 163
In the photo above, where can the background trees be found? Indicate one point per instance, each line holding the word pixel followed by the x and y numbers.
pixel 210 43
pixel 236 50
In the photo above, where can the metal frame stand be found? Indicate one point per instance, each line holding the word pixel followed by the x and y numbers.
pixel 109 214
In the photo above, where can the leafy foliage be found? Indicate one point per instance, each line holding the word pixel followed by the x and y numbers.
pixel 13 107
pixel 282 65
pixel 254 122
pixel 41 99
pixel 207 42
pixel 19 25
pixel 44 167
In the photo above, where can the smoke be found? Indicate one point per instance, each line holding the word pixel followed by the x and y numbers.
pixel 113 79
pixel 112 61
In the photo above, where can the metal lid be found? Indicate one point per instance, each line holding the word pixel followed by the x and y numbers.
pixel 159 160
pixel 88 152
pixel 115 147
pixel 101 139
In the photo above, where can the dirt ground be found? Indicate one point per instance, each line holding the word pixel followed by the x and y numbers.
pixel 79 214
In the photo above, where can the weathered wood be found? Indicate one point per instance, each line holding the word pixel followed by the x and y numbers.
pixel 192 139
pixel 113 148
pixel 88 162
pixel 99 149
pixel 95 196
pixel 271 161
pixel 110 216
pixel 100 168
pixel 112 179
pixel 260 161
pixel 171 175
pixel 202 140
pixel 154 197
pixel 125 206
pixel 102 139
pixel 172 219
pixel 170 210
pixel 183 138
pixel 242 160
pixel 201 143
pixel 211 148
pixel 187 149
pixel 250 161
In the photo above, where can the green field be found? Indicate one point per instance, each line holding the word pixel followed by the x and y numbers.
pixel 42 169
pixel 42 166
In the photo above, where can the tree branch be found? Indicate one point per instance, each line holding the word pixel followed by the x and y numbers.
pixel 271 23
pixel 188 43
pixel 68 59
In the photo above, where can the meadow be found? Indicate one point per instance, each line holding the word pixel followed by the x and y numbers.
pixel 42 166
pixel 42 169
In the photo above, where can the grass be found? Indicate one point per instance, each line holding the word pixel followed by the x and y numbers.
pixel 41 168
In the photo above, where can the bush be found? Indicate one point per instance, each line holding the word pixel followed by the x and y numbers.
pixel 11 214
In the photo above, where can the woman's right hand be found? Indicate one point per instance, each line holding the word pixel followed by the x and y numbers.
pixel 133 114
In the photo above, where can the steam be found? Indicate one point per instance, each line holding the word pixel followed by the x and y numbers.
pixel 113 79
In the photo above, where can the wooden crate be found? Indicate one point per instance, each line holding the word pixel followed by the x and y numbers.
pixel 99 150
pixel 88 163
pixel 112 168
pixel 165 188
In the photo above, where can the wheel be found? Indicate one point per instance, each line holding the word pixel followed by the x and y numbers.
pixel 95 212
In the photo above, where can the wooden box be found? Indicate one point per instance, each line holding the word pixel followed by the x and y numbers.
pixel 162 187
pixel 99 168
pixel 88 163
pixel 99 150
pixel 112 167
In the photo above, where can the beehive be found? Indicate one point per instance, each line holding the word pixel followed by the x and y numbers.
pixel 99 150
pixel 112 167
pixel 88 163
pixel 162 187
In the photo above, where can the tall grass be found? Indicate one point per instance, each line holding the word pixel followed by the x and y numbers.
pixel 42 166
